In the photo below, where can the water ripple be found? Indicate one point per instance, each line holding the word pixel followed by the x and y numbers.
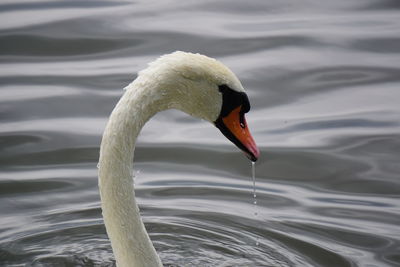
pixel 323 81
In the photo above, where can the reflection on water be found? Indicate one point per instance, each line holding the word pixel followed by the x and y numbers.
pixel 323 79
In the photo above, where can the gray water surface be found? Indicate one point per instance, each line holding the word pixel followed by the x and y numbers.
pixel 323 79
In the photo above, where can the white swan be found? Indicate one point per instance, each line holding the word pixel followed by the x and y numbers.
pixel 196 84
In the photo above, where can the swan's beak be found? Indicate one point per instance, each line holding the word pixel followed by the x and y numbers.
pixel 234 127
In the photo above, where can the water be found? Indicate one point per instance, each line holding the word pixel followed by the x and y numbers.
pixel 323 79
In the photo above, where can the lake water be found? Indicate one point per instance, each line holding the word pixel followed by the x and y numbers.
pixel 323 78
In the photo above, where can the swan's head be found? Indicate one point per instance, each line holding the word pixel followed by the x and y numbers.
pixel 206 88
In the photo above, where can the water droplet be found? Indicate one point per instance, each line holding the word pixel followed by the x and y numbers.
pixel 253 175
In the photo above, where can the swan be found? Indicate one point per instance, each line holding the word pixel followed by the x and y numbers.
pixel 196 84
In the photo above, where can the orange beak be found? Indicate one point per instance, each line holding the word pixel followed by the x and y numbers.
pixel 234 127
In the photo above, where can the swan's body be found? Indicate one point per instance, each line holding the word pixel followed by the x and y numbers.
pixel 189 82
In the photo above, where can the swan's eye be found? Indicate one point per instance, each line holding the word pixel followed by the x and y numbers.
pixel 242 120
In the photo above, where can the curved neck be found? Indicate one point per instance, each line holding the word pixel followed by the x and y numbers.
pixel 129 239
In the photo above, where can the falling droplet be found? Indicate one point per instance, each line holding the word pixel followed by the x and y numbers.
pixel 253 174
pixel 134 176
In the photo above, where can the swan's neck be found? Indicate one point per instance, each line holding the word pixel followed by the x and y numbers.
pixel 129 239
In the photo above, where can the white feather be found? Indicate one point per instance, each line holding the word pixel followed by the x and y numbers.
pixel 180 80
